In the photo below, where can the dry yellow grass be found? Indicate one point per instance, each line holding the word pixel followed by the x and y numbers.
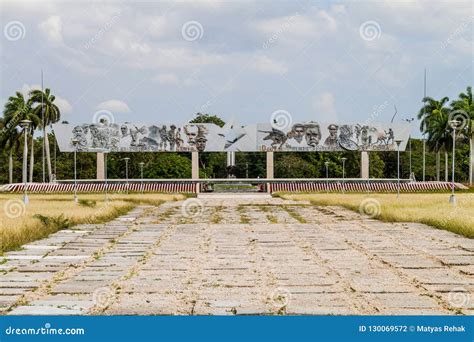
pixel 19 226
pixel 432 209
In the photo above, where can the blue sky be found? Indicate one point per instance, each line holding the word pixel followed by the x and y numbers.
pixel 161 61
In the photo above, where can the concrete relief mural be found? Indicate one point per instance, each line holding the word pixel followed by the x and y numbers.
pixel 314 136
pixel 302 136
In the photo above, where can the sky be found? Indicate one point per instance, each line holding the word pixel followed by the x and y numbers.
pixel 162 61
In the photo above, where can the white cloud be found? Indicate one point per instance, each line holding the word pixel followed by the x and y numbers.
pixel 166 79
pixel 311 24
pixel 26 88
pixel 52 28
pixel 115 106
pixel 325 108
pixel 64 106
pixel 316 46
pixel 267 65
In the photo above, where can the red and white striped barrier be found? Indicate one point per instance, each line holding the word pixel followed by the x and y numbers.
pixel 275 186
pixel 362 186
pixel 100 187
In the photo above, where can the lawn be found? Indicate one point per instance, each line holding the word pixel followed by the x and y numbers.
pixel 432 209
pixel 46 214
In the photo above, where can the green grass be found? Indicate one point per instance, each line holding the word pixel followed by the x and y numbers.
pixel 432 209
pixel 46 214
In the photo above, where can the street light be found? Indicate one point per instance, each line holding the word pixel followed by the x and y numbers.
pixel 126 170
pixel 25 124
pixel 327 175
pixel 424 157
pixel 75 142
pixel 343 174
pixel 409 142
pixel 141 174
pixel 398 142
pixel 454 124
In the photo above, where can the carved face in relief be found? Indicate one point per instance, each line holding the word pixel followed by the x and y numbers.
pixel 313 135
pixel 298 132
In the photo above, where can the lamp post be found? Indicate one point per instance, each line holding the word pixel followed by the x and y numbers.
pixel 126 171
pixel 343 174
pixel 409 143
pixel 327 175
pixel 424 157
pixel 454 124
pixel 75 142
pixel 141 175
pixel 398 142
pixel 25 124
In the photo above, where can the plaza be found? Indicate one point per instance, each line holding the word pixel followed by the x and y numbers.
pixel 241 255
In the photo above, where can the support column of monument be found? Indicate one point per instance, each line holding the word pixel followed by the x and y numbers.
pixel 100 166
pixel 364 165
pixel 231 158
pixel 270 174
pixel 195 168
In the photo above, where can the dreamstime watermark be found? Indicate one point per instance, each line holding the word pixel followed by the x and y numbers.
pixel 204 107
pixel 47 329
pixel 370 30
pixel 277 34
pixel 103 296
pixel 280 297
pixel 460 29
pixel 461 117
pixel 103 116
pixel 192 207
pixel 281 119
pixel 14 30
pixel 459 297
pixel 99 34
pixel 14 208
pixel 370 207
pixel 376 111
pixel 192 30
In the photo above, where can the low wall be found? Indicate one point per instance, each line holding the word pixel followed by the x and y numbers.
pixel 363 187
pixel 100 187
pixel 275 185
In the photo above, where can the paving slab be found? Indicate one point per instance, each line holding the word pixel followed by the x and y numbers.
pixel 242 256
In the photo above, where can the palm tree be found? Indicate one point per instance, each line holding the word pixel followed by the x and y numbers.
pixel 16 109
pixel 464 103
pixel 433 115
pixel 49 113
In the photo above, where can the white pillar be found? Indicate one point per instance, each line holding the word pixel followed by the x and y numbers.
pixel 100 166
pixel 270 174
pixel 195 168
pixel 195 165
pixel 364 165
pixel 230 158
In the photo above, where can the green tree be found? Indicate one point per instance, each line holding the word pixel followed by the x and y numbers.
pixel 16 109
pixel 208 118
pixel 45 108
pixel 434 118
pixel 465 106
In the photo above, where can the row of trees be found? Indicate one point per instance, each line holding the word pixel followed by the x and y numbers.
pixel 41 110
pixel 435 118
